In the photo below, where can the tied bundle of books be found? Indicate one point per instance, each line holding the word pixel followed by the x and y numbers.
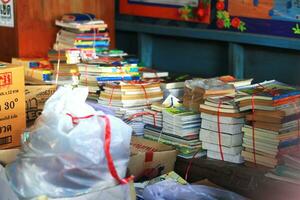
pixel 84 32
pixel 288 170
pixel 66 74
pixel 148 74
pixel 109 67
pixel 131 97
pixel 37 71
pixel 197 90
pixel 174 85
pixel 57 56
pixel 273 123
pixel 180 129
pixel 221 129
pixel 153 117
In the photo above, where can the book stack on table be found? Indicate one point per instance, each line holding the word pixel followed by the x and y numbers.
pixel 129 99
pixel 180 128
pixel 272 128
pixel 96 73
pixel 221 127
pixel 288 170
pixel 84 32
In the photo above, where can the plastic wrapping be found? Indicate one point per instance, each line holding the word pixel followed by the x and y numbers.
pixel 6 192
pixel 170 190
pixel 195 91
pixel 123 192
pixel 64 155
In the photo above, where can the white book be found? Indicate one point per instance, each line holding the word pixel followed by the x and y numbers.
pixel 260 147
pixel 178 122
pixel 181 126
pixel 224 128
pixel 261 138
pixel 223 120
pixel 226 139
pixel 238 159
pixel 228 150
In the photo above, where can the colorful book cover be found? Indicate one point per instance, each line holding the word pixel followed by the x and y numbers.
pixel 273 90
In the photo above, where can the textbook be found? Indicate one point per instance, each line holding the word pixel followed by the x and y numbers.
pixel 226 139
pixel 268 90
pixel 238 159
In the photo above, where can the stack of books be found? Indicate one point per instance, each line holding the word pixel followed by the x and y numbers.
pixel 84 32
pixel 221 129
pixel 66 73
pixel 57 56
pixel 129 99
pixel 272 128
pixel 93 75
pixel 110 66
pixel 288 170
pixel 180 129
pixel 153 116
pixel 37 71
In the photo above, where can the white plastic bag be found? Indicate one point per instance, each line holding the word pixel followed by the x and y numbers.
pixel 171 190
pixel 66 152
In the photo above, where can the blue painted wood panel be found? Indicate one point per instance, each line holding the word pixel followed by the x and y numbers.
pixel 264 63
pixel 197 57
pixel 208 53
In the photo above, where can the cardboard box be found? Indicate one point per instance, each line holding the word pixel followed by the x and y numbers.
pixel 36 97
pixel 8 156
pixel 12 105
pixel 37 70
pixel 150 159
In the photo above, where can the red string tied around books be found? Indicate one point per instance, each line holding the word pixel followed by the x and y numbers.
pixel 140 114
pixel 219 125
pixel 273 92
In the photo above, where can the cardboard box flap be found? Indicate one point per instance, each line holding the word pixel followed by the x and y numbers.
pixel 4 65
pixel 141 145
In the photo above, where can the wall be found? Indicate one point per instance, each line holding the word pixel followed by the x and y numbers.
pixel 35 30
pixel 190 48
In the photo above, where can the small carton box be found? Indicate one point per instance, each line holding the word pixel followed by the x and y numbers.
pixel 150 159
pixel 12 105
pixel 36 97
pixel 37 70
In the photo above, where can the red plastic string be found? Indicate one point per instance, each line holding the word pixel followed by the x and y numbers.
pixel 86 75
pixel 253 129
pixel 143 88
pixel 154 115
pixel 187 171
pixel 219 131
pixel 111 96
pixel 75 120
pixel 109 158
pixel 145 93
pixel 110 162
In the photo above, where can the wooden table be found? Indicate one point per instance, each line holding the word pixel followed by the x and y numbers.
pixel 247 180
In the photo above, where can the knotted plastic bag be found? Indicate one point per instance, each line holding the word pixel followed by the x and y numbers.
pixel 70 150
